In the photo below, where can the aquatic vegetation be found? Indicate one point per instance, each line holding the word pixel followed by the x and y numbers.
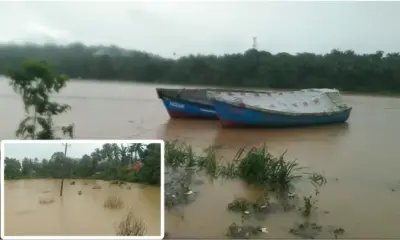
pixel 317 179
pixel 256 166
pixel 113 202
pixel 308 229
pixel 308 206
pixel 209 163
pixel 131 226
pixel 337 232
pixel 261 168
pixel 179 155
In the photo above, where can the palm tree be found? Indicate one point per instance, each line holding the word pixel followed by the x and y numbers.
pixel 124 150
pixel 96 158
pixel 116 153
pixel 138 149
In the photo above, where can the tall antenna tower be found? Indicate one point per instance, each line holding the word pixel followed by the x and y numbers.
pixel 255 43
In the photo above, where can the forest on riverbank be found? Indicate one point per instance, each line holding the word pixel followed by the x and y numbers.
pixel 345 70
pixel 129 162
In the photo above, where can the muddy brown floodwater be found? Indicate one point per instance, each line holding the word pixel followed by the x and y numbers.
pixel 360 159
pixel 35 208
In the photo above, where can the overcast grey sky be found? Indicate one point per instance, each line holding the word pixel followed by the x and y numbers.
pixel 207 27
pixel 21 150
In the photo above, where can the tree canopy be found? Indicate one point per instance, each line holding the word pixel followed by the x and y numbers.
pixel 345 70
pixel 111 162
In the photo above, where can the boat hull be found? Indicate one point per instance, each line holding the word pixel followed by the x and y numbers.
pixel 178 108
pixel 234 116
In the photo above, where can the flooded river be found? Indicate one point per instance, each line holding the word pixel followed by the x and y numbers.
pixel 360 159
pixel 35 208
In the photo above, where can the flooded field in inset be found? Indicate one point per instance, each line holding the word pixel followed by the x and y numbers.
pixel 87 207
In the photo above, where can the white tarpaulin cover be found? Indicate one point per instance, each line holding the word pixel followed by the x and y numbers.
pixel 306 101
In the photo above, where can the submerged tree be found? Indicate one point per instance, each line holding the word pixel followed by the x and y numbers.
pixel 35 82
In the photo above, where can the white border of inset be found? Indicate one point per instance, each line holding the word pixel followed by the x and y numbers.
pixel 82 237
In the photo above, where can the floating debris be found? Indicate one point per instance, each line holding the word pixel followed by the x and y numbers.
pixel 72 183
pixel 189 193
pixel 245 231
pixel 247 207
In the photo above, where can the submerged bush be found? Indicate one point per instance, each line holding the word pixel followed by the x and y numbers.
pixel 113 202
pixel 131 226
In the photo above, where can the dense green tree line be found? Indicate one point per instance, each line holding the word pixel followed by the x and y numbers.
pixel 346 70
pixel 111 162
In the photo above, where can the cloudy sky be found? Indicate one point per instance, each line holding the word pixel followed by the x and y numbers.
pixel 207 27
pixel 21 150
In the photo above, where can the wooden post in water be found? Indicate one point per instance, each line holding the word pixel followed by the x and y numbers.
pixel 65 159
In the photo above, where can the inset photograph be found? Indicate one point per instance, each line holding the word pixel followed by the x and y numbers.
pixel 106 189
